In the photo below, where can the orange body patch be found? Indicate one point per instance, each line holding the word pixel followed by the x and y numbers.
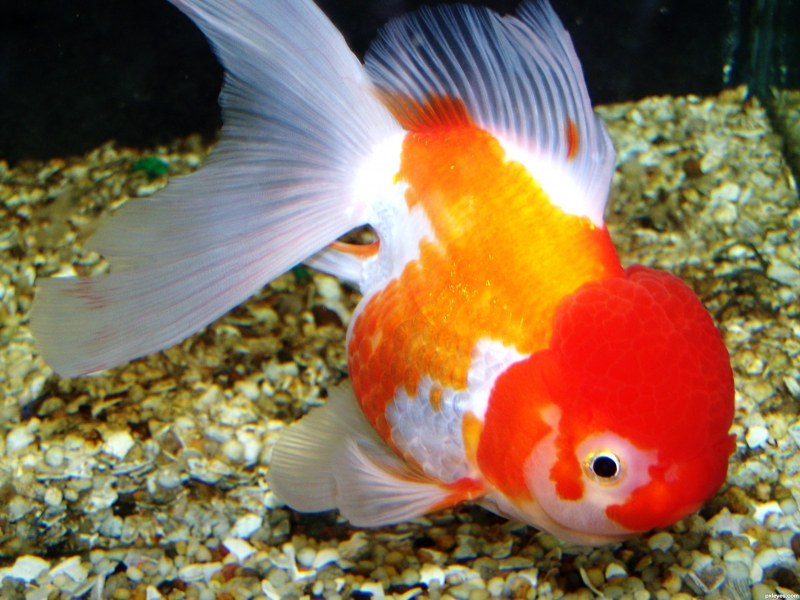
pixel 504 256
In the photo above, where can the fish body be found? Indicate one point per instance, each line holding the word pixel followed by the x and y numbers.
pixel 500 354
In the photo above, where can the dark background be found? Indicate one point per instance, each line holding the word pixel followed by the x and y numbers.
pixel 76 73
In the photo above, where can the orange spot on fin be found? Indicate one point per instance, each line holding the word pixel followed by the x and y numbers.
pixel 435 112
pixel 462 490
pixel 572 139
pixel 360 250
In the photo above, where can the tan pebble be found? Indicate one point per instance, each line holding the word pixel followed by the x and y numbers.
pixel 409 577
pixel 644 562
pixel 495 586
pixel 202 555
pixel 596 577
pixel 672 582
pixel 393 558
pixel 682 596
pixel 661 541
pixel 650 573
pixel 641 595
pixel 121 594
pixel 613 592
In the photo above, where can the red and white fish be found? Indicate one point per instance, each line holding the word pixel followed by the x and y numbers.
pixel 501 353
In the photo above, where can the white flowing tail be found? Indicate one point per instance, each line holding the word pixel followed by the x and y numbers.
pixel 299 121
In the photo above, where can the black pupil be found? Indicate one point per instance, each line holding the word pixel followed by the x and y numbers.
pixel 605 467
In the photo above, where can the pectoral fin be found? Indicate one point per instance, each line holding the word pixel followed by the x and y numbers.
pixel 333 458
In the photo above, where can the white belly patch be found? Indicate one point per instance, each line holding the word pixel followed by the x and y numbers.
pixel 431 438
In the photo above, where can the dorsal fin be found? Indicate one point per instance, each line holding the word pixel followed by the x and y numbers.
pixel 518 77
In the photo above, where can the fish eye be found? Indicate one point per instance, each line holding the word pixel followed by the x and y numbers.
pixel 603 466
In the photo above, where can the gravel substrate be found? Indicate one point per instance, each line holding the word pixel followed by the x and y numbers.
pixel 149 480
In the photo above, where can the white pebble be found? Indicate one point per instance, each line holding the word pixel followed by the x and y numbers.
pixel 615 570
pixel 210 398
pixel 771 557
pixel 72 568
pixel 306 556
pixel 152 593
pixel 325 556
pixel 376 589
pixel 54 457
pixel 723 522
pixel 246 526
pixel 430 573
pixel 22 435
pixel 328 287
pixel 27 568
pixel 233 450
pixel 740 555
pixel 53 496
pixel 726 214
pixel 495 587
pixel 783 273
pixel 269 590
pixel 756 573
pixel 788 506
pixel 239 548
pixel 248 389
pixel 199 571
pixel 168 479
pixel 18 507
pixel 766 508
pixel 661 541
pixel 794 432
pixel 727 192
pixel 352 547
pixel 757 436
pixel 118 444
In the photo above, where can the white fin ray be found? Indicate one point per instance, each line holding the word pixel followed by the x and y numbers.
pixel 376 488
pixel 300 119
pixel 519 78
pixel 332 458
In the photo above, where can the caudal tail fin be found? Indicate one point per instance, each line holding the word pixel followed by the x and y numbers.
pixel 299 121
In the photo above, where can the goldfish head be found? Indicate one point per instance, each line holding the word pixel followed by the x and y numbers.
pixel 637 396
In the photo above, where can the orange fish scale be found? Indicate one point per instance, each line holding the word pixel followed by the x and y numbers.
pixel 504 256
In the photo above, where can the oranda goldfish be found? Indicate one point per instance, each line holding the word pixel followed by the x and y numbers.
pixel 500 354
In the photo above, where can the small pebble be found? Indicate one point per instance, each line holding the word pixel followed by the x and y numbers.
pixel 756 436
pixel 246 526
pixel 54 457
pixel 661 541
pixel 118 444
pixel 53 496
